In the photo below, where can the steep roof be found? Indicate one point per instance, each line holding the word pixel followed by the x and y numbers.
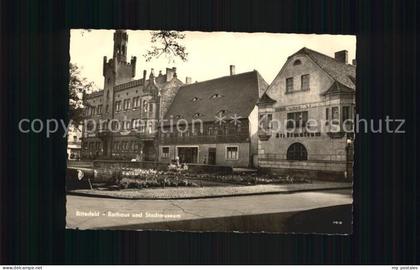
pixel 265 99
pixel 342 73
pixel 236 94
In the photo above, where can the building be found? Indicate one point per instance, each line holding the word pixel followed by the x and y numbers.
pixel 304 117
pixel 214 121
pixel 74 144
pixel 121 119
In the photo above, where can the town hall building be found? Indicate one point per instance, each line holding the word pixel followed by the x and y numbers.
pixel 126 112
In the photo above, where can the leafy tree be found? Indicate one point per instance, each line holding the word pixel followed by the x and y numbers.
pixel 78 88
pixel 166 43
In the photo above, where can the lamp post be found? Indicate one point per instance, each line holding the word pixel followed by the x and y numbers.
pixel 349 159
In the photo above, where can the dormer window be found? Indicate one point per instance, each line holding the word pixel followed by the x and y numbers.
pixel 178 116
pixel 195 99
pixel 216 96
pixel 221 113
pixel 196 115
pixel 297 62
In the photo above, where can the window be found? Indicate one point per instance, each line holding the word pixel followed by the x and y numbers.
pixel 210 131
pixel 194 99
pixel 106 108
pixel 297 151
pixel 126 104
pixel 127 124
pixel 141 127
pixel 289 84
pixel 239 127
pixel 150 109
pixel 118 105
pixel 98 146
pixel 99 109
pixel 297 119
pixel 221 113
pixel 232 153
pixel 165 152
pixel 304 82
pixel 136 102
pixel 335 113
pixel 145 106
pixel 149 127
pixel 92 110
pixel 265 121
pixel 297 62
pixel 327 114
pixel 136 123
pixel 124 146
pixel 74 138
pixel 346 113
pixel 196 115
pixel 215 96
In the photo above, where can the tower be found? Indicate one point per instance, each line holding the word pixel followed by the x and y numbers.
pixel 120 45
pixel 116 71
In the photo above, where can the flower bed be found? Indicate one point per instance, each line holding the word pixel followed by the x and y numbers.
pixel 149 178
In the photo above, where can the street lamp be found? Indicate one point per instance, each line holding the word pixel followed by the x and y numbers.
pixel 349 166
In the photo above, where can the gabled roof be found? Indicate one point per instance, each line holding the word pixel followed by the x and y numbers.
pixel 337 88
pixel 236 94
pixel 342 73
pixel 265 100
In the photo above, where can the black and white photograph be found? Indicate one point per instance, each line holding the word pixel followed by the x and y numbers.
pixel 210 131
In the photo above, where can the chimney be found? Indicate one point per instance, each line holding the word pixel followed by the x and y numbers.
pixel 353 62
pixel 169 74
pixel 341 56
pixel 144 77
pixel 133 66
pixel 232 70
pixel 188 80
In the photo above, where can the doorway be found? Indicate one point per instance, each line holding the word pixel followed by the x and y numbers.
pixel 212 156
pixel 187 154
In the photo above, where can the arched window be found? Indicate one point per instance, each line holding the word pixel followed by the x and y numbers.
pixel 297 151
pixel 297 62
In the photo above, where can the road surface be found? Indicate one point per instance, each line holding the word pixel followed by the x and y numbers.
pixel 95 213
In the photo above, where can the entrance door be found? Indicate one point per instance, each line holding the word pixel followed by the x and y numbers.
pixel 149 151
pixel 212 156
pixel 188 154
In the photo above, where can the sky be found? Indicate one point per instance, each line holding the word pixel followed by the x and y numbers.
pixel 209 53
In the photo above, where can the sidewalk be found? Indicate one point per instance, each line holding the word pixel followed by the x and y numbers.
pixel 173 193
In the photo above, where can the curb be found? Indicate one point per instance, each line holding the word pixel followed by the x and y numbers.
pixel 75 193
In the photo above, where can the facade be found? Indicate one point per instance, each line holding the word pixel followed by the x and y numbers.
pixel 74 144
pixel 214 122
pixel 122 118
pixel 303 117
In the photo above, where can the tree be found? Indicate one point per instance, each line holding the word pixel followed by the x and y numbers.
pixel 78 88
pixel 168 45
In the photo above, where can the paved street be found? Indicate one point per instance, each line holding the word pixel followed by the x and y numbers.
pixel 88 212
